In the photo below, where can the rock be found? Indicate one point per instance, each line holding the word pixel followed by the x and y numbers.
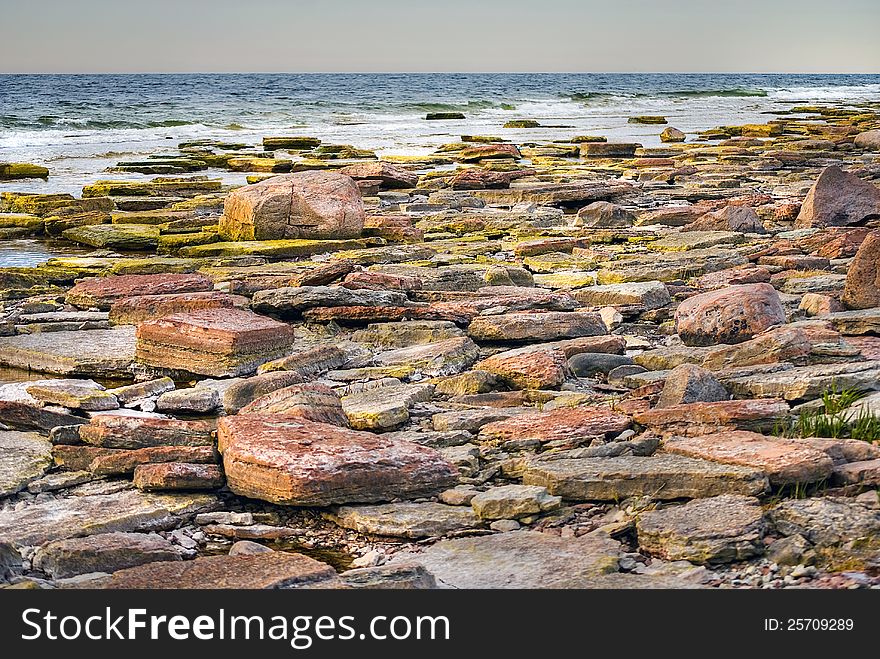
pixel 604 215
pixel 588 364
pixel 729 218
pixel 134 310
pixel 662 477
pixel 477 178
pixel 761 414
pixel 445 357
pixel 391 176
pixel 214 342
pixel 531 367
pixel 302 463
pixel 24 457
pixel 649 294
pixel 839 198
pixel 92 353
pixel 728 315
pixel 105 552
pixel 671 134
pixel 310 205
pixel 275 569
pixel 384 577
pixel 443 116
pixel 407 333
pixel 826 521
pixel 124 237
pixel 689 383
pixel 471 420
pixel 195 400
pixel 608 149
pixel 248 548
pixel 103 292
pixel 804 382
pixel 565 424
pixel 788 551
pixel 499 275
pixel 297 143
pixel 814 304
pixel 406 520
pixel 520 559
pixel 142 390
pixel 862 288
pixel 310 401
pixel 469 382
pixel 488 152
pixel 127 511
pixel 114 462
pixel 21 170
pixel 547 326
pixel 293 301
pixel 855 323
pixel 721 529
pixel 513 502
pixel 869 140
pixel 786 462
pixel 383 408
pixel 177 476
pixel 135 432
pixel 83 395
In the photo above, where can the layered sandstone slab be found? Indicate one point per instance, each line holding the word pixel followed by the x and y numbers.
pixel 213 342
pixel 102 292
pixel 302 463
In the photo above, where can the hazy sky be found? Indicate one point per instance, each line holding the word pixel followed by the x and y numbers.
pixel 439 35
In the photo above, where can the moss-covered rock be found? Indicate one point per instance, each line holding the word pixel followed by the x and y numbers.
pixel 130 237
pixel 279 249
pixel 522 123
pixel 55 225
pixel 18 170
pixel 158 187
pixel 30 223
pixel 275 165
pixel 297 143
pixel 171 243
pixel 647 119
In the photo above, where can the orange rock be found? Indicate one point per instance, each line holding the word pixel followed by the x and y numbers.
pixel 562 424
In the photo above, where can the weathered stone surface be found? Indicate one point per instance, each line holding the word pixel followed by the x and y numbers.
pixel 385 577
pixel 604 215
pixel 311 401
pixel 406 520
pixel 177 476
pixel 869 140
pixel 391 176
pixel 513 502
pixel 434 359
pixel 729 218
pixel 83 395
pixel 93 353
pixel 649 294
pixel 303 463
pixel 142 390
pixel 113 462
pixel 857 322
pixel 322 205
pixel 104 552
pixel 235 393
pixel 214 342
pixel 275 569
pixel 662 477
pixel 125 237
pixel 549 326
pixel 839 198
pixel 407 333
pixel 128 510
pixel 866 472
pixel 780 344
pixel 135 432
pixel 385 407
pixel 720 529
pixel 805 382
pixel 671 134
pixel 588 364
pixel 785 462
pixel 295 300
pixel 814 304
pixel 24 457
pixel 102 292
pixel 194 400
pixel 521 559
pixel 134 310
pixel 531 367
pixel 728 315
pixel 862 288
pixel 562 424
pixel 761 414
pixel 689 383
pixel 826 521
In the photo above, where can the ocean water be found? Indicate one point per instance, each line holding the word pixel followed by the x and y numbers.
pixel 78 125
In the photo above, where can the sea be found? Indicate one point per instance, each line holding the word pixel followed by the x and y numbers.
pixel 79 125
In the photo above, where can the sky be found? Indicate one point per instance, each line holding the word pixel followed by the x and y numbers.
pixel 95 36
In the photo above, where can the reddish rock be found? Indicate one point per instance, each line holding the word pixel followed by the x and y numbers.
pixel 358 314
pixel 379 281
pixel 177 476
pixel 862 288
pixel 214 342
pixel 390 176
pixel 113 462
pixel 728 315
pixel 78 458
pixel 134 310
pixel 323 274
pixel 102 292
pixel 302 463
pixel 835 242
pixel 135 432
pixel 531 367
pixel 393 228
pixel 311 401
pixel 477 178
pixel 747 274
pixel 815 304
pixel 311 205
pixel 750 414
pixel 839 198
pixel 489 152
pixel 729 218
pixel 565 424
pixel 785 462
pixel 787 212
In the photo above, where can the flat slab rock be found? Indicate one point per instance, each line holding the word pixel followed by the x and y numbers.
pixel 24 457
pixel 519 559
pixel 101 292
pixel 105 552
pixel 561 424
pixel 406 520
pixel 91 353
pixel 661 476
pixel 302 463
pixel 805 382
pixel 266 570
pixel 826 521
pixel 745 414
pixel 718 529
pixel 128 510
pixel 384 408
pixel 784 461
pixel 548 326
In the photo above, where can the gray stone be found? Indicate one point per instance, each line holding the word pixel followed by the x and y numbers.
pixel 826 521
pixel 588 364
pixel 24 457
pixel 385 577
pixel 383 408
pixel 689 383
pixel 649 294
pixel 105 552
pixel 406 520
pixel 195 400
pixel 513 502
pixel 95 353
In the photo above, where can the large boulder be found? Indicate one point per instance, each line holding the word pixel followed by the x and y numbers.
pixel 839 198
pixel 862 288
pixel 728 315
pixel 312 205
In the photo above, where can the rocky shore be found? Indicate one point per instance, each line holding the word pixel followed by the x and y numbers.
pixel 575 364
